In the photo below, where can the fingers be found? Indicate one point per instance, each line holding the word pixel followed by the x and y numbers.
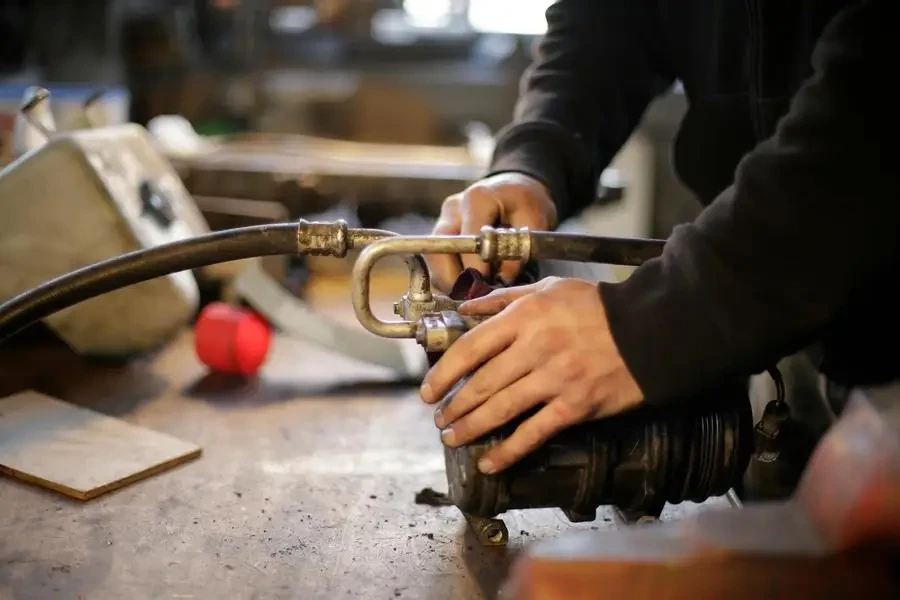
pixel 445 268
pixel 466 354
pixel 477 209
pixel 502 371
pixel 503 406
pixel 497 300
pixel 508 199
pixel 521 215
pixel 529 436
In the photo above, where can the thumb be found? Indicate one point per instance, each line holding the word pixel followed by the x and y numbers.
pixel 496 301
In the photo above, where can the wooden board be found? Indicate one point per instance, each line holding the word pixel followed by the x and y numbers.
pixel 79 452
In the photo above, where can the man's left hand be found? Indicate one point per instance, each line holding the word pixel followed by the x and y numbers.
pixel 549 343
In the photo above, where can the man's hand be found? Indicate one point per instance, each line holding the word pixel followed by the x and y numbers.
pixel 549 344
pixel 513 199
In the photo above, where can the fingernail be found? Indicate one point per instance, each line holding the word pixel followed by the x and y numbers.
pixel 425 393
pixel 448 436
pixel 439 417
pixel 486 466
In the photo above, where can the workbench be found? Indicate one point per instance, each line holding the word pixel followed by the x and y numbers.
pixel 305 488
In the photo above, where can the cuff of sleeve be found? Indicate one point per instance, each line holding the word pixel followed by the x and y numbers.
pixel 652 334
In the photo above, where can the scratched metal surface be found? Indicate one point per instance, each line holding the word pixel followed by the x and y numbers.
pixel 305 490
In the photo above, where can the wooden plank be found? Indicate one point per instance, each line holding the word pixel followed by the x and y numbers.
pixel 79 452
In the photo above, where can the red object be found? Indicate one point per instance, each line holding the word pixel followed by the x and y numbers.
pixel 232 340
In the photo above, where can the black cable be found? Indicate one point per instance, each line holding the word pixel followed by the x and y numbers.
pixel 142 265
pixel 594 249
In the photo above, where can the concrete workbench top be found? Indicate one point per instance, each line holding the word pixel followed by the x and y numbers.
pixel 304 490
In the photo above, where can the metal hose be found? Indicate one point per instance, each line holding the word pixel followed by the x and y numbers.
pixel 329 239
pixel 322 239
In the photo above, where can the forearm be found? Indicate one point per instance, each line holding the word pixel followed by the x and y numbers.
pixel 584 95
pixel 803 231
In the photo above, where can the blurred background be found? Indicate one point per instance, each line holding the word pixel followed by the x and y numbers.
pixel 411 89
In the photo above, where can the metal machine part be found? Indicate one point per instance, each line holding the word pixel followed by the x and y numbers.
pixel 79 197
pixel 782 448
pixel 34 124
pixel 836 537
pixel 636 462
pixel 309 174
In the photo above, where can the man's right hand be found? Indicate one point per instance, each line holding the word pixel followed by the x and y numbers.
pixel 513 199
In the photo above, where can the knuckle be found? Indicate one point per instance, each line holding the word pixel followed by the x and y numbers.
pixel 478 388
pixel 564 412
pixel 541 301
pixel 532 306
pixel 570 366
pixel 451 202
pixel 513 192
pixel 460 436
pixel 449 409
pixel 549 286
pixel 507 409
pixel 444 407
pixel 542 340
pixel 504 453
pixel 530 436
pixel 473 195
pixel 455 410
pixel 437 379
pixel 471 427
pixel 553 280
pixel 447 224
pixel 449 214
pixel 443 227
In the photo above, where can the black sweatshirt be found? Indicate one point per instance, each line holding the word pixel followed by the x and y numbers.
pixel 786 140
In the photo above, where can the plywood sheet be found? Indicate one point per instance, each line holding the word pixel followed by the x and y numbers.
pixel 77 451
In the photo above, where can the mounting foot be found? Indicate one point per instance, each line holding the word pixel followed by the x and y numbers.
pixel 490 532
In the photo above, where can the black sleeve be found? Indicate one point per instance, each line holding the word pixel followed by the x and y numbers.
pixel 582 97
pixel 810 223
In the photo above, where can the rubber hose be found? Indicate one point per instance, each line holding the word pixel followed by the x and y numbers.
pixel 593 249
pixel 142 265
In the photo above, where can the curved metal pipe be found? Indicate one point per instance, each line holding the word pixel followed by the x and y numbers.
pixel 420 282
